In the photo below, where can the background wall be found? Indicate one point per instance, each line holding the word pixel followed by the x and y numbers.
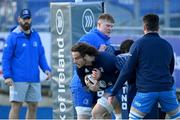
pixel 128 17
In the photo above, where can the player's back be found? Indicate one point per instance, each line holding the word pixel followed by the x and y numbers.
pixel 155 61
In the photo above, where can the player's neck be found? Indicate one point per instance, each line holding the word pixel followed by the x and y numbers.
pixel 146 32
pixel 90 61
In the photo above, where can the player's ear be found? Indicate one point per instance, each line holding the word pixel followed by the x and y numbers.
pixel 89 58
pixel 18 19
pixel 145 29
pixel 86 56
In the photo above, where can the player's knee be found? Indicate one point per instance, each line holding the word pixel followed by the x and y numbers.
pixel 16 105
pixel 32 105
pixel 175 114
pixel 104 103
pixel 83 112
pixel 100 114
pixel 95 113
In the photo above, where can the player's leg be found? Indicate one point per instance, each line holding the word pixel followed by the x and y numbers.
pixel 118 105
pixel 82 98
pixel 102 110
pixel 31 110
pixel 142 104
pixel 33 96
pixel 169 104
pixel 17 96
pixel 153 114
pixel 14 111
pixel 83 102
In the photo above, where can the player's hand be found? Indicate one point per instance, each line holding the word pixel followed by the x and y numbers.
pixel 110 99
pixel 102 47
pixel 92 87
pixel 96 74
pixel 48 73
pixel 8 82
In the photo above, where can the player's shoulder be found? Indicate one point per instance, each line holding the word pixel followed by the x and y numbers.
pixel 15 30
pixel 88 35
pixel 14 33
pixel 90 39
pixel 34 31
pixel 106 55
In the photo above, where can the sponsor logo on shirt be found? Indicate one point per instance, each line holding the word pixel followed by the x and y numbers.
pixel 24 45
pixel 35 44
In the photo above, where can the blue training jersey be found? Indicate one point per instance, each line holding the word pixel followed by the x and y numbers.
pixel 153 60
pixel 129 91
pixel 22 57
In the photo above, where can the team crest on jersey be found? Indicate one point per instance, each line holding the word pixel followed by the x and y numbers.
pixel 6 45
pixel 24 44
pixel 34 44
pixel 86 101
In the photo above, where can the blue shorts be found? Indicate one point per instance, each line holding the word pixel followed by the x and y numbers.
pixel 153 114
pixel 145 101
pixel 82 97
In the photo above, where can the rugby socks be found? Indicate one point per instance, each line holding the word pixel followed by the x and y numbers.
pixel 176 116
pixel 118 116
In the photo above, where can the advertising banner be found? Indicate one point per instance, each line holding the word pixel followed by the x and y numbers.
pixel 69 21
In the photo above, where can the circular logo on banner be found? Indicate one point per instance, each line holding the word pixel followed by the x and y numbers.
pixel 88 20
pixel 59 21
pixel 2 45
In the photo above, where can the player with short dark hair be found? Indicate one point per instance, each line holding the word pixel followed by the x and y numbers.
pixel 129 89
pixel 152 59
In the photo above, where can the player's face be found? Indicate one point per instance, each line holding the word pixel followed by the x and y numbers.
pixel 105 27
pixel 25 23
pixel 78 59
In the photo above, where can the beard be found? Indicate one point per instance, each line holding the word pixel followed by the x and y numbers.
pixel 26 26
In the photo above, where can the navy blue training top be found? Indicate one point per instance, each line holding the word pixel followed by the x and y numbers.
pixel 106 63
pixel 152 59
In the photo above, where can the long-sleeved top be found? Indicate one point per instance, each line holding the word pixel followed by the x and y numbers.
pixel 22 57
pixel 106 63
pixel 121 61
pixel 96 39
pixel 152 59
